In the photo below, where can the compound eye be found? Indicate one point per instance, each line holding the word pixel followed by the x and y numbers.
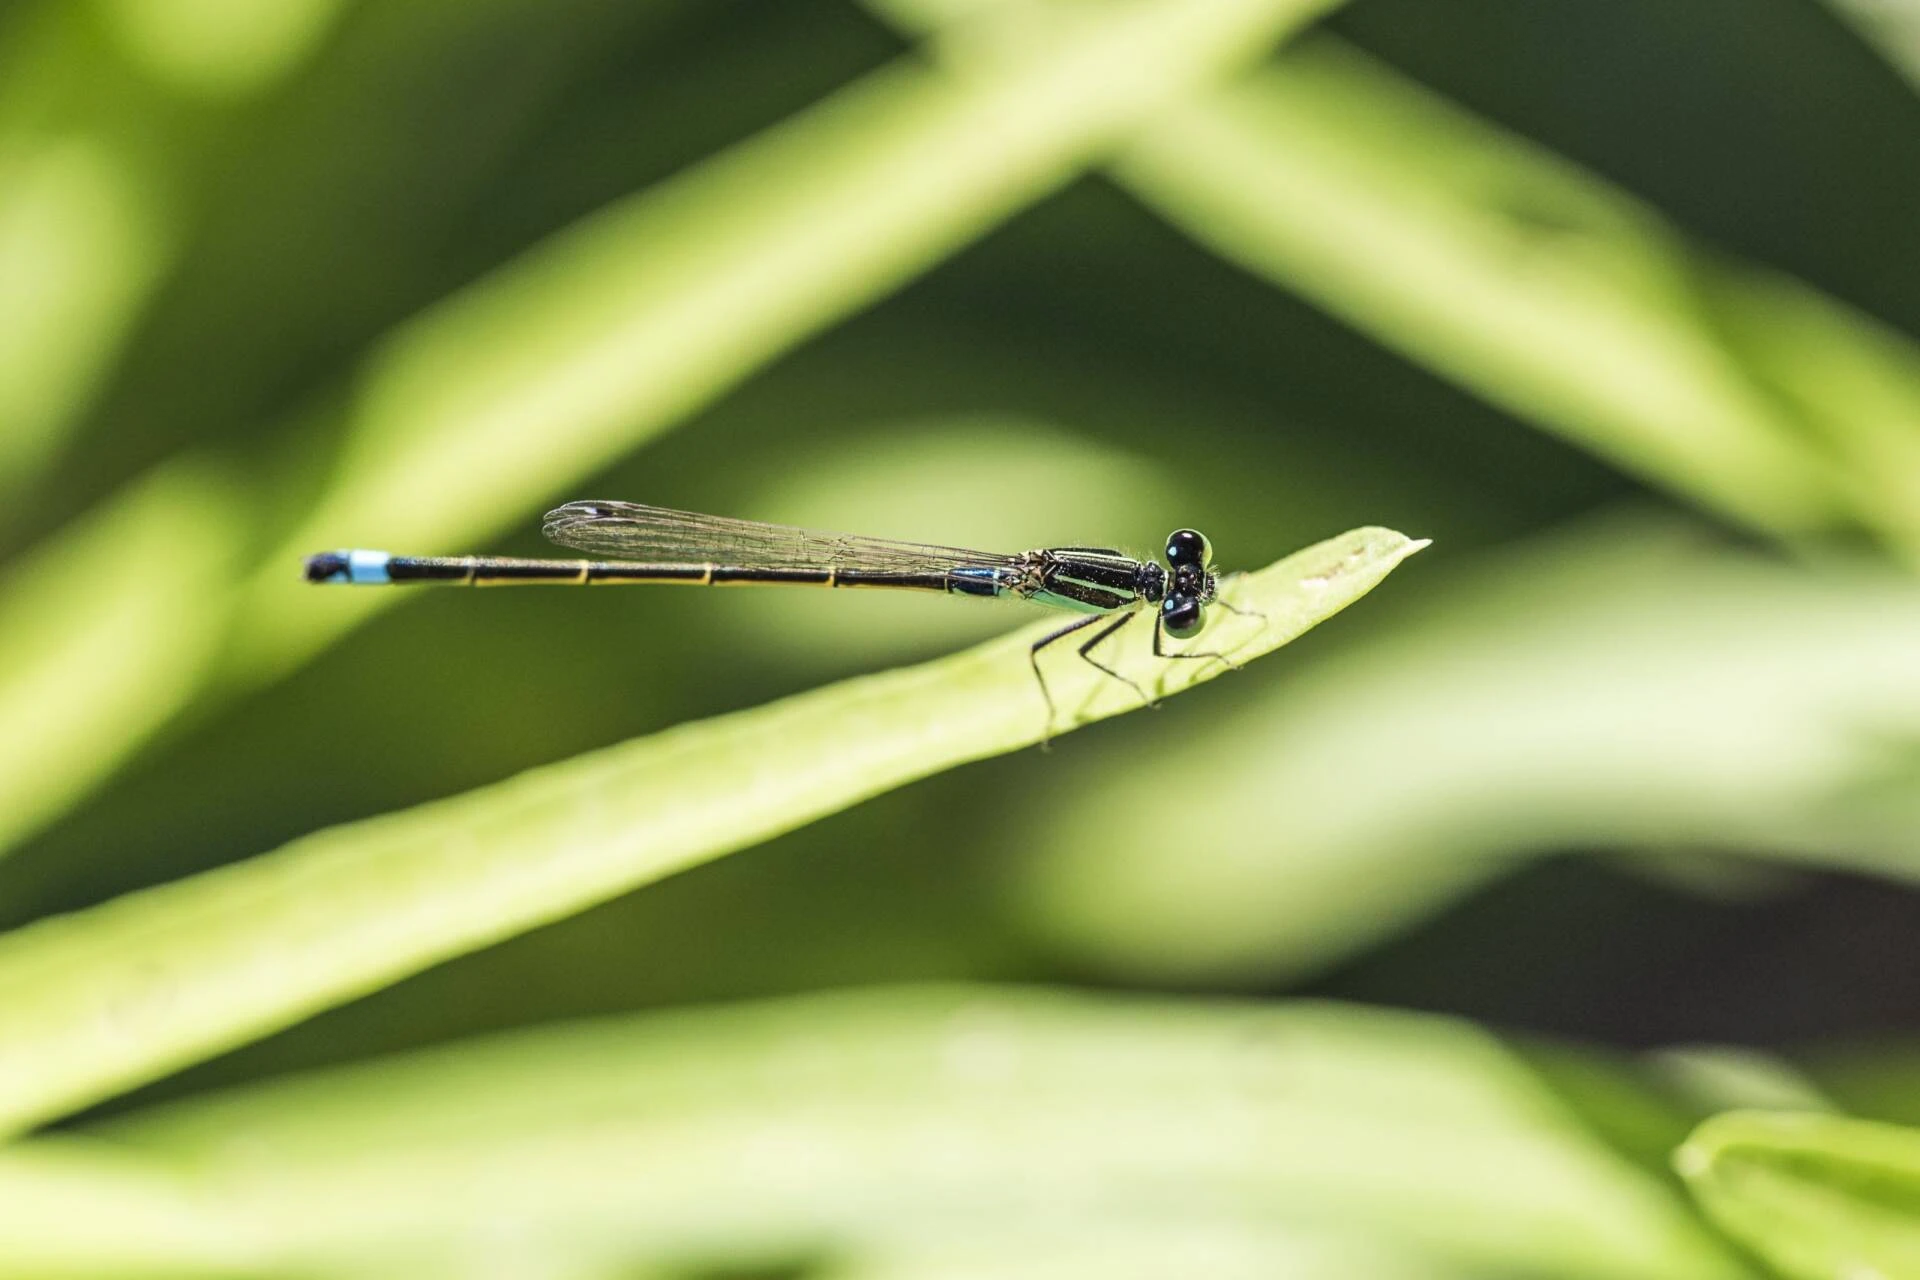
pixel 1180 615
pixel 1188 547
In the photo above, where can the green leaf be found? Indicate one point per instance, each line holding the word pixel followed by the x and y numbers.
pixel 103 633
pixel 1732 1077
pixel 101 178
pixel 1544 290
pixel 1894 29
pixel 1152 1251
pixel 81 247
pixel 1815 1196
pixel 1514 273
pixel 73 1208
pixel 105 998
pixel 1630 685
pixel 616 329
pixel 220 48
pixel 909 1121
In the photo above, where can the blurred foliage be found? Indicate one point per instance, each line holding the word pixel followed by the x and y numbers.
pixel 1812 1195
pixel 1615 301
pixel 1722 700
pixel 914 1119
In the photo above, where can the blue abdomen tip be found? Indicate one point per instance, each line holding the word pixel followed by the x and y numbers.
pixel 358 568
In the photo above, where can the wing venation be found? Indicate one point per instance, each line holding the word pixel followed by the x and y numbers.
pixel 658 535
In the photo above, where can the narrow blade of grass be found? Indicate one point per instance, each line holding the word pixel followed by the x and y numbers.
pixel 1814 1196
pixel 93 1002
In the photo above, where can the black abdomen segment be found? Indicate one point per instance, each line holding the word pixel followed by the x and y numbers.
pixel 488 571
pixel 376 568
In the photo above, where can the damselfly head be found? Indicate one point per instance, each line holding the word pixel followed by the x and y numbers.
pixel 1189 584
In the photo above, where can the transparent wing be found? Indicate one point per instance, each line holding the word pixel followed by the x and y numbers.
pixel 656 535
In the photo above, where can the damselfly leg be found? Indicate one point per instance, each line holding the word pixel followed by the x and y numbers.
pixel 1113 624
pixel 1159 634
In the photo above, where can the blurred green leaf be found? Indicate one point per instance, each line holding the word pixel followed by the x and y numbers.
pixel 94 1001
pixel 1814 1196
pixel 1732 1077
pixel 612 331
pixel 1538 287
pixel 79 250
pixel 1892 26
pixel 1528 281
pixel 898 1121
pixel 73 1208
pixel 219 48
pixel 103 633
pixel 1849 383
pixel 1122 1251
pixel 1617 1099
pixel 101 162
pixel 1628 686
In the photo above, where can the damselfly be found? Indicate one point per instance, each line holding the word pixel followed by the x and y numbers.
pixel 654 544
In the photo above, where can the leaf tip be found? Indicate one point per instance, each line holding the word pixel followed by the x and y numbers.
pixel 1692 1160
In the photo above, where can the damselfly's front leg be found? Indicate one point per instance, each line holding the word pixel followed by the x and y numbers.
pixel 1159 634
